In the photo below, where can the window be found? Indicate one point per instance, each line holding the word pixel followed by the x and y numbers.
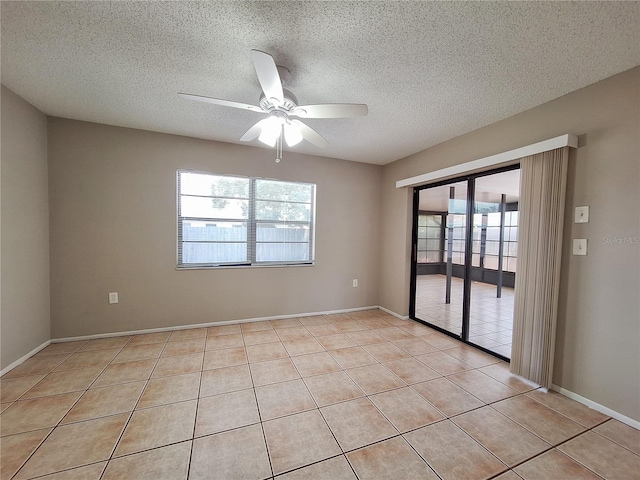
pixel 486 240
pixel 457 226
pixel 510 241
pixel 226 220
pixel 430 238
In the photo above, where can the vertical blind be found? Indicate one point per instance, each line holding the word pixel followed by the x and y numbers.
pixel 543 179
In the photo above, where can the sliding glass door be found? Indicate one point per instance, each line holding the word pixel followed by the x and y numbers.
pixel 464 257
pixel 494 259
pixel 439 249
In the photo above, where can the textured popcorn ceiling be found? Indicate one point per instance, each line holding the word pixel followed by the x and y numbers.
pixel 429 71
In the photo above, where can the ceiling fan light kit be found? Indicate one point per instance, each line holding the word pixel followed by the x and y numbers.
pixel 281 106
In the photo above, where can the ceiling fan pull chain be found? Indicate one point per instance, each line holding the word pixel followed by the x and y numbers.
pixel 279 144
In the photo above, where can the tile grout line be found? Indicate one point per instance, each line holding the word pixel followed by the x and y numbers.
pixel 71 468
pixel 552 446
pixel 255 396
pixel 343 454
pixel 562 414
pixel 591 429
pixel 481 445
pixel 337 403
pixel 65 414
pixel 115 445
pixel 195 419
pixel 607 438
pixel 295 469
pixel 321 416
pixel 420 456
pixel 106 366
pixel 20 398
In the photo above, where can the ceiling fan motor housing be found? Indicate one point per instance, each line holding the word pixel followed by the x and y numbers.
pixel 289 103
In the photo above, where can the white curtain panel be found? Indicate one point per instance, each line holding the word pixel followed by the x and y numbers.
pixel 543 180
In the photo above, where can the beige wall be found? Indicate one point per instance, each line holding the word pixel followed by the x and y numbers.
pixel 24 310
pixel 113 229
pixel 598 339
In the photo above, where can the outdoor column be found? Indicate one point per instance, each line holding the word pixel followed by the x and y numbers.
pixel 452 196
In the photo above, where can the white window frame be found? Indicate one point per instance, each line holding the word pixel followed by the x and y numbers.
pixel 251 227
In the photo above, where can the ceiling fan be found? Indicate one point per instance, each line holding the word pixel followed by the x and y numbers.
pixel 281 106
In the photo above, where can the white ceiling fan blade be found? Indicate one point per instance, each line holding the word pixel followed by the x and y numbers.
pixel 310 135
pixel 224 103
pixel 268 75
pixel 254 131
pixel 330 110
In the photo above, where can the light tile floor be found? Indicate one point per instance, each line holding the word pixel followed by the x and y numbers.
pixel 363 395
pixel 491 318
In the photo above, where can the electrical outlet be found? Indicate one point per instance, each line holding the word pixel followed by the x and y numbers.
pixel 113 297
pixel 355 282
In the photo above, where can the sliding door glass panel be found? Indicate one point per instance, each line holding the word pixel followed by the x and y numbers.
pixel 440 256
pixel 494 258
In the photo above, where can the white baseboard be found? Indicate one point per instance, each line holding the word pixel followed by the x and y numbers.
pixel 214 324
pixel 397 315
pixel 596 406
pixel 13 365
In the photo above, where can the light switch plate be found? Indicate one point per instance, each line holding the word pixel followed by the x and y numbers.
pixel 113 297
pixel 579 246
pixel 581 215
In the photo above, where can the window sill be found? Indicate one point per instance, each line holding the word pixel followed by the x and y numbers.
pixel 265 265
